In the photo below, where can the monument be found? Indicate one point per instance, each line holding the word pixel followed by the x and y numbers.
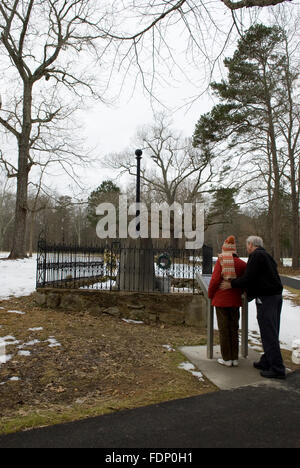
pixel 136 270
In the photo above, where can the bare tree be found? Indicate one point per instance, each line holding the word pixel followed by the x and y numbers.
pixel 36 205
pixel 173 170
pixel 42 42
pixel 6 206
pixel 251 3
pixel 35 38
pixel 289 124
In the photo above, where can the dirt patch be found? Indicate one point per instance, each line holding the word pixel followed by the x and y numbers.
pixel 93 364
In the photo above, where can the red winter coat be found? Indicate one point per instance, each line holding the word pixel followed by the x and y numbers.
pixel 229 297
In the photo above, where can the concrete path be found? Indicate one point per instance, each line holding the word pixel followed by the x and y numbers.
pixel 223 377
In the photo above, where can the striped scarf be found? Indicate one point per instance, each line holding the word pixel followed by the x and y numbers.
pixel 226 258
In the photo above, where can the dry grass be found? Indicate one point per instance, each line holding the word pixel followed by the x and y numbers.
pixel 289 271
pixel 103 365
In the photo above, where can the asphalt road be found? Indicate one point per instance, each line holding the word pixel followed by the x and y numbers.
pixel 252 417
pixel 290 282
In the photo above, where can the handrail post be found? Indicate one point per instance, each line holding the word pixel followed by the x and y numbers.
pixel 245 327
pixel 210 314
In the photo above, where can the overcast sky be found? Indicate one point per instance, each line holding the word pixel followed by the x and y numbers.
pixel 111 128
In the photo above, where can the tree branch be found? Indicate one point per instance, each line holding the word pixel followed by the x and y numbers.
pixel 251 3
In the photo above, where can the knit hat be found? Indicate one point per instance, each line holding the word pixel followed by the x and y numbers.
pixel 226 258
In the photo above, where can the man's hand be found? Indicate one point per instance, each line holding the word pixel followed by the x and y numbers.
pixel 225 285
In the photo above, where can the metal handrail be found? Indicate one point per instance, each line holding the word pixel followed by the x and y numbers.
pixel 203 282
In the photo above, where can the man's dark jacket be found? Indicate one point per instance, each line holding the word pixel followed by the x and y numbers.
pixel 261 277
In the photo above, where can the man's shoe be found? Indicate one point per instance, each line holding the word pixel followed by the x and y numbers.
pixel 269 374
pixel 259 366
pixel 235 363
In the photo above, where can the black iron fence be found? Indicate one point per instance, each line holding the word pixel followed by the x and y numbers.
pixel 121 268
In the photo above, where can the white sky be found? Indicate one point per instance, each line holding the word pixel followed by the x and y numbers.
pixel 112 128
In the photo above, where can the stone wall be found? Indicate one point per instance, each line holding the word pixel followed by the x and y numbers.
pixel 177 309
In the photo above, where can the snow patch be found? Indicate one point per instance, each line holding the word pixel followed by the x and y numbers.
pixel 5 358
pixel 24 353
pixel 53 342
pixel 168 347
pixel 188 366
pixel 9 339
pixel 29 343
pixel 290 322
pixel 132 321
pixel 18 277
pixel 18 312
pixel 12 379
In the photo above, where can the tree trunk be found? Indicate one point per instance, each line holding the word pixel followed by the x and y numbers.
pixel 276 192
pixel 31 229
pixel 295 258
pixel 295 216
pixel 19 245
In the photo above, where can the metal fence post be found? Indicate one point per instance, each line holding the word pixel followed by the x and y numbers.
pixel 207 260
pixel 41 264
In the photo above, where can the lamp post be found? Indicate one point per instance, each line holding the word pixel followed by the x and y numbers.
pixel 138 155
pixel 136 271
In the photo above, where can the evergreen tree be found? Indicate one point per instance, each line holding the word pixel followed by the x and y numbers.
pixel 251 99
pixel 107 192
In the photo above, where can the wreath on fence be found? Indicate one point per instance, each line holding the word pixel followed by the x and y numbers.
pixel 164 261
pixel 110 261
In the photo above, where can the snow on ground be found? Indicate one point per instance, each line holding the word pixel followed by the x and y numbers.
pixel 10 340
pixel 17 277
pixel 53 342
pixel 24 353
pixel 12 379
pixel 168 347
pixel 18 312
pixel 290 322
pixel 287 262
pixel 188 366
pixel 132 321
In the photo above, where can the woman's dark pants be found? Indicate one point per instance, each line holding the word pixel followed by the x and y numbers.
pixel 228 323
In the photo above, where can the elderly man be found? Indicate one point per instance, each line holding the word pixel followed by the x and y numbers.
pixel 261 281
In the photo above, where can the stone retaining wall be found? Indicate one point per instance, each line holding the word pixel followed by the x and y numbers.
pixel 174 309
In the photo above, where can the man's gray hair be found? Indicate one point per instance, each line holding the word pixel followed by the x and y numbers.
pixel 256 241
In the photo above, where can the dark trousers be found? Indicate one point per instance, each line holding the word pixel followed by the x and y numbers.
pixel 268 317
pixel 228 323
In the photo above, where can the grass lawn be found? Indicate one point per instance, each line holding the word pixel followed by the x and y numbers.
pixel 103 364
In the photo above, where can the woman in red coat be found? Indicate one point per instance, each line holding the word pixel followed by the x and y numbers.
pixel 227 302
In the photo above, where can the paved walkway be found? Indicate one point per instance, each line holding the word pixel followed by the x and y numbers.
pixel 290 282
pixel 251 416
pixel 223 377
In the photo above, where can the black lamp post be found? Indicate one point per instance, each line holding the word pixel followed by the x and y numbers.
pixel 138 154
